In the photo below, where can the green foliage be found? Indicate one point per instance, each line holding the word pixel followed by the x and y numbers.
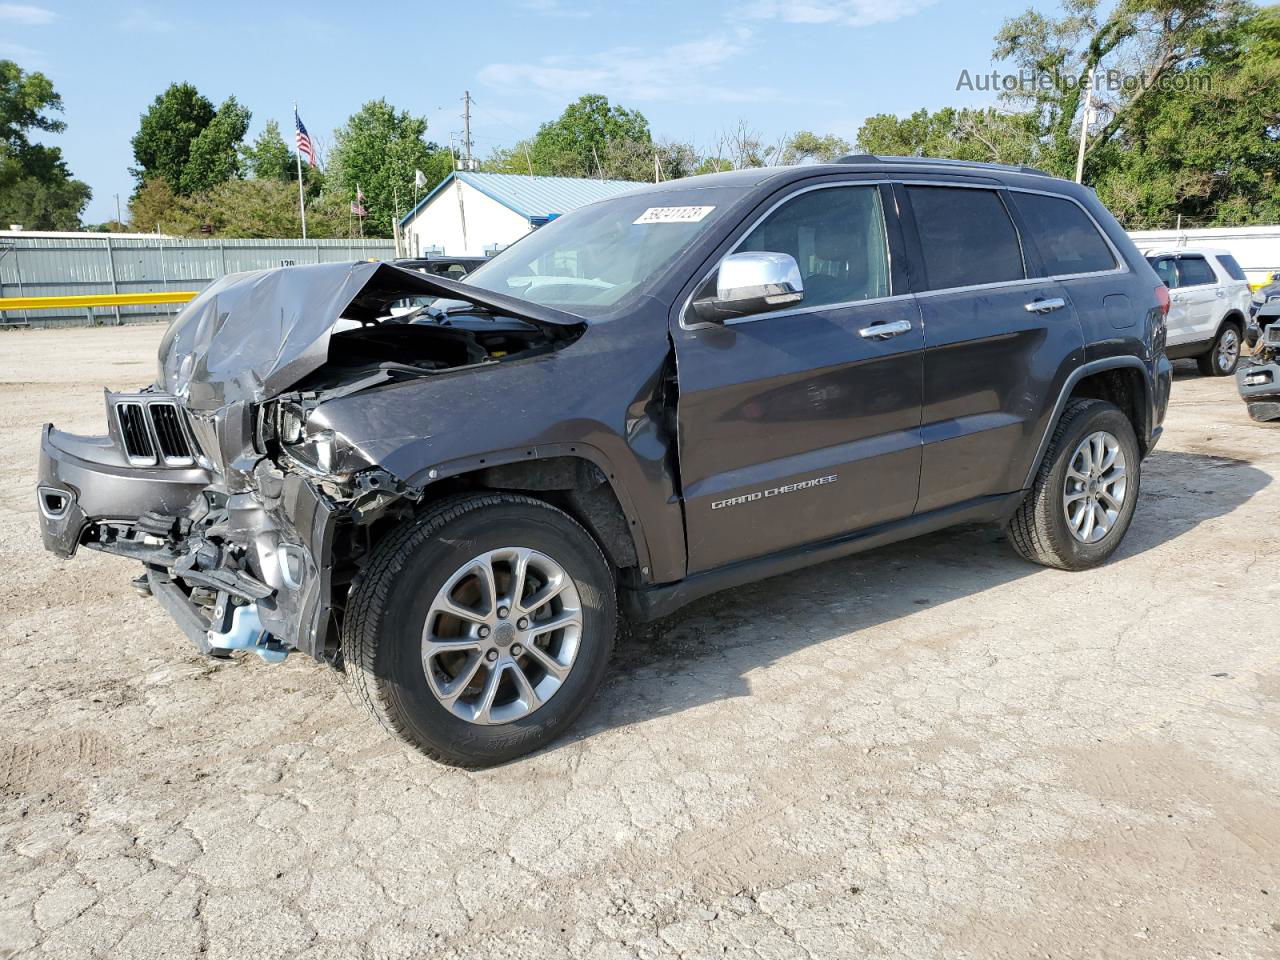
pixel 215 152
pixel 162 145
pixel 378 150
pixel 269 157
pixel 1198 136
pixel 807 145
pixel 591 138
pixel 987 135
pixel 36 188
pixel 257 207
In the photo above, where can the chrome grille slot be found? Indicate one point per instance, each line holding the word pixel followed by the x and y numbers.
pixel 135 432
pixel 171 435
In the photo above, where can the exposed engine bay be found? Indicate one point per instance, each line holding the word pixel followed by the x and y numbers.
pixel 248 506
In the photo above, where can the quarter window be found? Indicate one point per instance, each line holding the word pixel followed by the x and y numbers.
pixel 1232 266
pixel 837 237
pixel 966 237
pixel 1194 271
pixel 1067 239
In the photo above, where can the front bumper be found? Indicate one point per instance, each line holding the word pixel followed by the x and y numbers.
pixel 1259 386
pixel 270 545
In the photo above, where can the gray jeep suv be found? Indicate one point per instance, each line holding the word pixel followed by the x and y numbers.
pixel 676 391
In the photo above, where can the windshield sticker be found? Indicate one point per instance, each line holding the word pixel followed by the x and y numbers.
pixel 673 215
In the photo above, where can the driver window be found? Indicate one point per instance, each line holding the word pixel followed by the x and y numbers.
pixel 837 237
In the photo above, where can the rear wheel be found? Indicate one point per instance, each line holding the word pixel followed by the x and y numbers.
pixel 482 631
pixel 1224 355
pixel 1084 495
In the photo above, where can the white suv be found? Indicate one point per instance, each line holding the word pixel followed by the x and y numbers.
pixel 1210 303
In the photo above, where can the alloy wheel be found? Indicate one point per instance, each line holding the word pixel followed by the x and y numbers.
pixel 1228 349
pixel 1095 487
pixel 502 635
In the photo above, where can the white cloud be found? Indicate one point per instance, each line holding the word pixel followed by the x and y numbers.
pixel 678 72
pixel 26 14
pixel 852 13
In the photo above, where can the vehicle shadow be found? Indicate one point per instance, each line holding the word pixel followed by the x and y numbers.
pixel 706 652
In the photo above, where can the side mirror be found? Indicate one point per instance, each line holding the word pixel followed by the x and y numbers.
pixel 748 283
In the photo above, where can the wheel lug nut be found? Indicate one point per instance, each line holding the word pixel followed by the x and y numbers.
pixel 484 632
pixel 503 611
pixel 491 656
pixel 523 623
pixel 517 650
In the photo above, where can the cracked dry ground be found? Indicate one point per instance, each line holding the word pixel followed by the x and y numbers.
pixel 932 750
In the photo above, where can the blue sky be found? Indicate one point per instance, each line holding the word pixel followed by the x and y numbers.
pixel 692 68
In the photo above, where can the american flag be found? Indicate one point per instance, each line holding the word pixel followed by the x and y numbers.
pixel 357 205
pixel 304 140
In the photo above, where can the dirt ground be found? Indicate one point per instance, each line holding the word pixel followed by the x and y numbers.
pixel 932 750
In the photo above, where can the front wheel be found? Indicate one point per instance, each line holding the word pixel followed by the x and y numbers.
pixel 1084 495
pixel 481 631
pixel 1224 355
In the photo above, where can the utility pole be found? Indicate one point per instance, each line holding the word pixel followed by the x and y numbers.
pixel 119 219
pixel 468 162
pixel 1085 119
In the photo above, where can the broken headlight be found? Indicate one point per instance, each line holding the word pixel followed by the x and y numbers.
pixel 314 449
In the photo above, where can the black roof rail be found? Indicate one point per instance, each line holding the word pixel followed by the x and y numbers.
pixel 945 162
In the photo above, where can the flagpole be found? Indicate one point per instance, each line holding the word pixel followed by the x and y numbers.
pixel 302 197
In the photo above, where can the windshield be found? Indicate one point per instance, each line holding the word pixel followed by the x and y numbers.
pixel 592 260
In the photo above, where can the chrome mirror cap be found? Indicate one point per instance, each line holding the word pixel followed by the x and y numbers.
pixel 748 283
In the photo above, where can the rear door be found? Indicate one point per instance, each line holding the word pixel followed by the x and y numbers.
pixel 801 424
pixel 1199 296
pixel 1000 339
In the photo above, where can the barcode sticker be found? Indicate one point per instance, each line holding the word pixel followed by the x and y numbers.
pixel 673 215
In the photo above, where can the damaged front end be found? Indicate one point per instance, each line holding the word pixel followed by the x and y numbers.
pixel 1258 378
pixel 249 514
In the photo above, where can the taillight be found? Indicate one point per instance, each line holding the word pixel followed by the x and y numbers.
pixel 1162 299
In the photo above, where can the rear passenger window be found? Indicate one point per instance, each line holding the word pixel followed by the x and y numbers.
pixel 1233 268
pixel 1067 239
pixel 837 237
pixel 1194 271
pixel 966 237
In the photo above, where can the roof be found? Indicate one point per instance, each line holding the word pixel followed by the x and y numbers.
pixel 1176 251
pixel 532 196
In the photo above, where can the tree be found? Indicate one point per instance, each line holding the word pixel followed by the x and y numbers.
pixel 378 151
pixel 215 152
pixel 1208 149
pixel 162 145
pixel 1145 39
pixel 591 138
pixel 36 188
pixel 806 145
pixel 988 136
pixel 269 157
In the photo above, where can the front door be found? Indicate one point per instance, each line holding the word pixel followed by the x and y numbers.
pixel 802 424
pixel 1199 296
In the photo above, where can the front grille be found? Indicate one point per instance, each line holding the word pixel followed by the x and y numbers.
pixel 154 431
pixel 135 433
pixel 174 445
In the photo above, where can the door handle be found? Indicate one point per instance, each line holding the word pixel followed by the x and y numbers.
pixel 1041 305
pixel 883 331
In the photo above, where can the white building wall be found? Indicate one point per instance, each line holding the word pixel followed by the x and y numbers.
pixel 1256 249
pixel 440 223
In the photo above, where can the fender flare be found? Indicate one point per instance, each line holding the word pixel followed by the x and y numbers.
pixel 546 451
pixel 1076 375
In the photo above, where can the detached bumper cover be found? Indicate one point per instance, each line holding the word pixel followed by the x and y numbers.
pixel 86 479
pixel 1259 386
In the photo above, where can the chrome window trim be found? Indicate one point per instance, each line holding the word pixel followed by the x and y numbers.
pixel 800 310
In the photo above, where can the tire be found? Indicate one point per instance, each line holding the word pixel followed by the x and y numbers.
pixel 1224 356
pixel 1040 530
pixel 383 642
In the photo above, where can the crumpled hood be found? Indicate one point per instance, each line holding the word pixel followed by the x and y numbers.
pixel 251 336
